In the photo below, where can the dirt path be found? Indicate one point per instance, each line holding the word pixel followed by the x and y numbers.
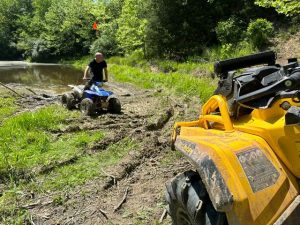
pixel 147 117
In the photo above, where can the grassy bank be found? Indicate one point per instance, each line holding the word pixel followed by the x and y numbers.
pixel 7 107
pixel 38 154
pixel 192 78
pixel 187 79
pixel 182 85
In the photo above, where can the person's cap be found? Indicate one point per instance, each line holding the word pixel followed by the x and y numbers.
pixel 98 54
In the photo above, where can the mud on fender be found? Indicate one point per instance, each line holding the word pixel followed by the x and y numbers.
pixel 216 187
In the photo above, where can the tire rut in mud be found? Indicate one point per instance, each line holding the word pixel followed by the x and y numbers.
pixel 140 121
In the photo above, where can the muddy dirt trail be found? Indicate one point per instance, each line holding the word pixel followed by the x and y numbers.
pixel 132 192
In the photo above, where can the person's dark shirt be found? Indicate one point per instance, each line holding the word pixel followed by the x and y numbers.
pixel 97 70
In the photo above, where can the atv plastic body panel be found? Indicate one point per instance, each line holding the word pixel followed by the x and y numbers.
pixel 249 166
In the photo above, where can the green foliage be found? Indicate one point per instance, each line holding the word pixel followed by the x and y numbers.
pixel 227 51
pixel 9 11
pixel 25 142
pixel 87 167
pixel 54 28
pixel 7 107
pixel 68 27
pixel 114 8
pixel 50 29
pixel 287 7
pixel 180 84
pixel 31 26
pixel 178 29
pixel 259 31
pixel 107 42
pixel 132 25
pixel 229 31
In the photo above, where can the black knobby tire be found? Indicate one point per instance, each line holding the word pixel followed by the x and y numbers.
pixel 188 202
pixel 114 105
pixel 68 100
pixel 87 107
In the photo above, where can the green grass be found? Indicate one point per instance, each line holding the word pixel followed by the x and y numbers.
pixel 179 84
pixel 87 167
pixel 78 63
pixel 7 107
pixel 62 179
pixel 227 51
pixel 26 141
pixel 28 145
pixel 191 78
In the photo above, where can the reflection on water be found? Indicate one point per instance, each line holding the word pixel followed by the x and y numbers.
pixel 49 77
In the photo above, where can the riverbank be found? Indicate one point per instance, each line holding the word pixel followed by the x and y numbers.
pixel 188 79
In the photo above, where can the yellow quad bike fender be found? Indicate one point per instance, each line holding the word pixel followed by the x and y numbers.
pixel 242 175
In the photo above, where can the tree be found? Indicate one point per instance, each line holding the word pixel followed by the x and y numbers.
pixel 106 42
pixel 179 28
pixel 287 7
pixel 68 27
pixel 10 10
pixel 108 27
pixel 31 26
pixel 132 25
pixel 57 28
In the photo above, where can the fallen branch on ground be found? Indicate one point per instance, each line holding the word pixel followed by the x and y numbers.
pixel 163 216
pixel 33 92
pixel 109 175
pixel 31 220
pixel 104 213
pixel 10 89
pixel 30 206
pixel 122 201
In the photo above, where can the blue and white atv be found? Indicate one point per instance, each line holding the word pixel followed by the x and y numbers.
pixel 91 101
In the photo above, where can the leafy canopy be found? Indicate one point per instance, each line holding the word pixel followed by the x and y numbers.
pixel 287 7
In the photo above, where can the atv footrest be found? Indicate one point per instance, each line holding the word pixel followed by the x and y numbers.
pixel 291 215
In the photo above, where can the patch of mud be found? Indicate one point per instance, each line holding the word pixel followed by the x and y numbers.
pixel 27 98
pixel 147 119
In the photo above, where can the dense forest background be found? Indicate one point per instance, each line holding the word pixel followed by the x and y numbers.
pixel 43 30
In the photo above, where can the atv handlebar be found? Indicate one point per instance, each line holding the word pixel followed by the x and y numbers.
pixel 290 83
pixel 222 68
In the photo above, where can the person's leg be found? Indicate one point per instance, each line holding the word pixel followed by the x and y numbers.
pixel 88 85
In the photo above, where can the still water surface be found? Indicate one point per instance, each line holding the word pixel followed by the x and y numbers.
pixel 52 77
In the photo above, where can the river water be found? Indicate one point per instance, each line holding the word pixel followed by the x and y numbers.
pixel 52 77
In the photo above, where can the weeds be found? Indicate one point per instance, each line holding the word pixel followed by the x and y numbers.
pixel 180 84
pixel 64 177
pixel 227 51
pixel 7 107
pixel 25 142
pixel 86 167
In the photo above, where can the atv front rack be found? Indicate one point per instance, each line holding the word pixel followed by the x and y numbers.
pixel 214 110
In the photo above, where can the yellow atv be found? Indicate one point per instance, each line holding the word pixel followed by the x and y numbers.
pixel 245 148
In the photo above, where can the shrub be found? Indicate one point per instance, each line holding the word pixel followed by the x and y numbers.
pixel 259 31
pixel 226 51
pixel 229 31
